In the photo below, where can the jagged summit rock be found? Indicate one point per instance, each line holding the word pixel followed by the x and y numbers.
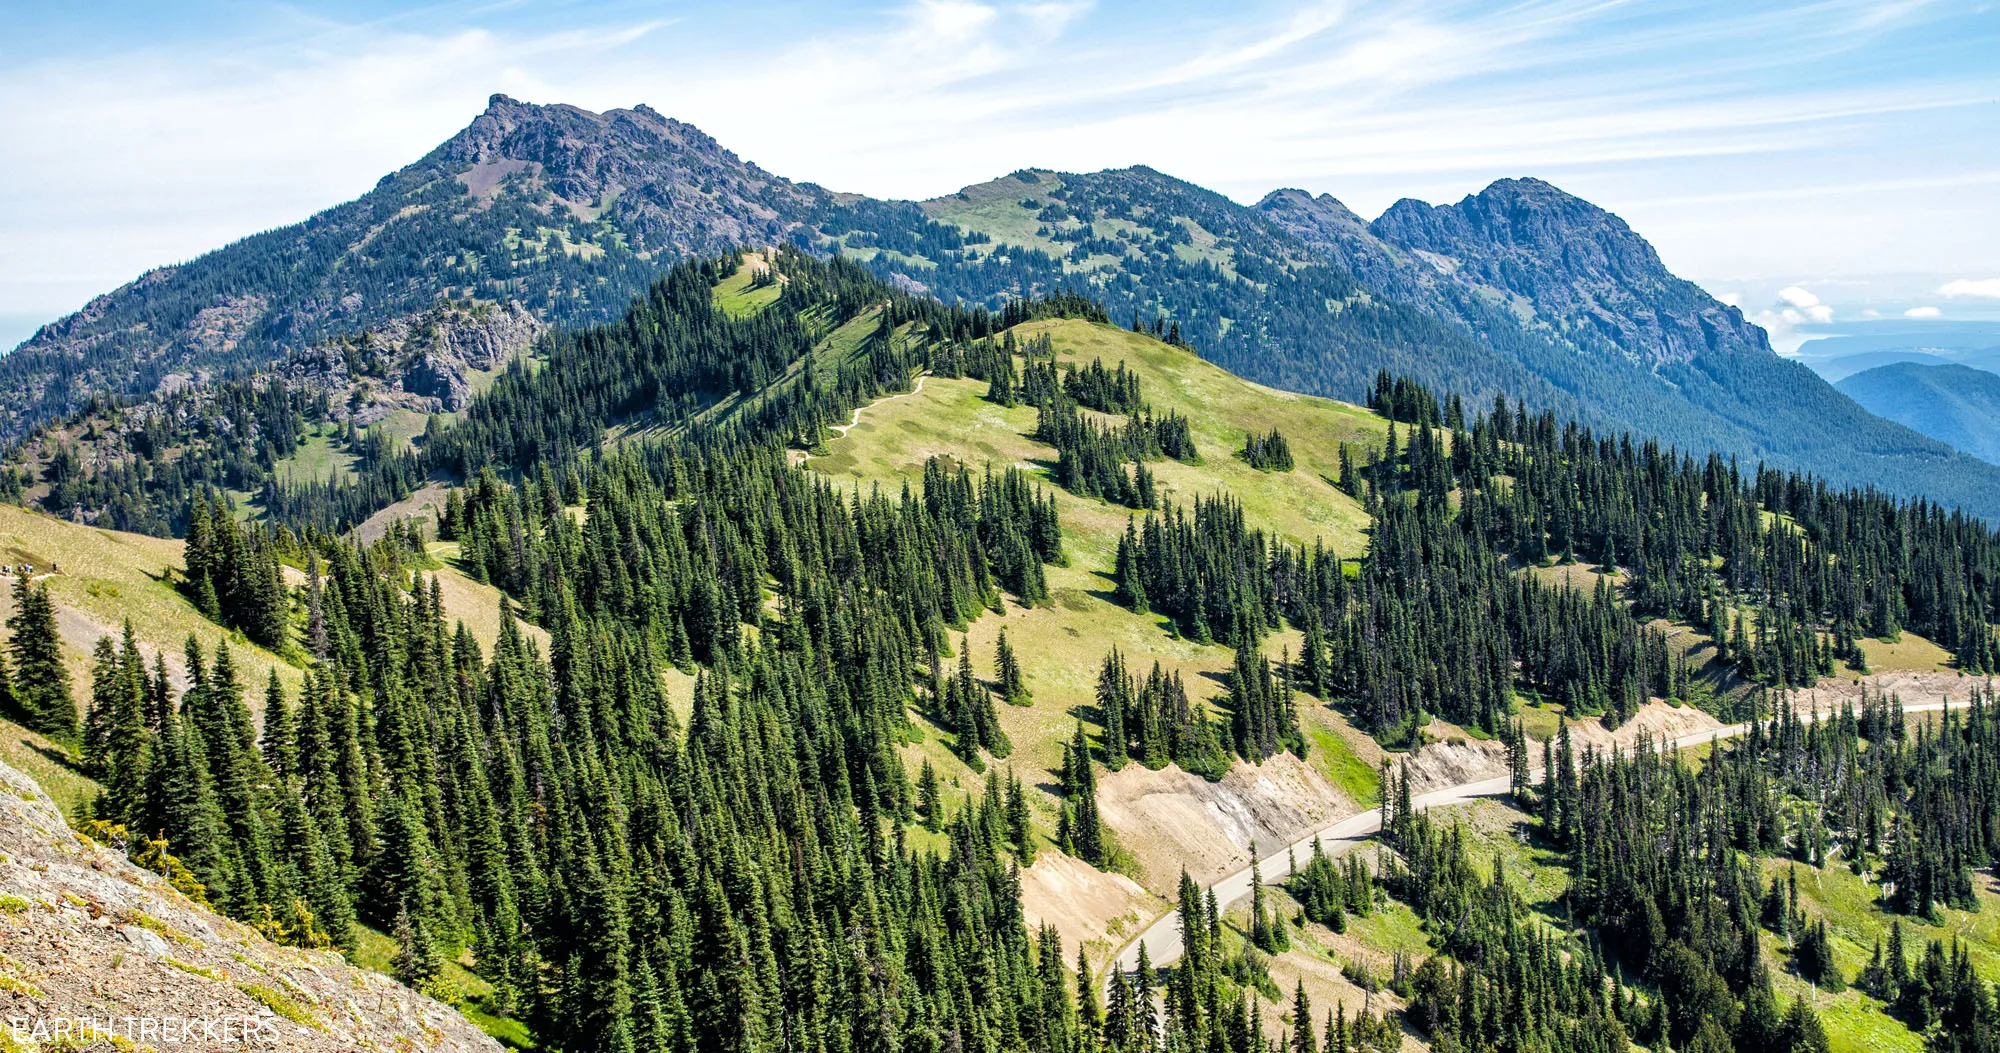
pixel 1585 271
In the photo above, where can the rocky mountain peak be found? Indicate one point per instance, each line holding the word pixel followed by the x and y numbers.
pixel 1293 201
pixel 665 185
pixel 1584 272
pixel 1525 217
pixel 1323 222
pixel 568 211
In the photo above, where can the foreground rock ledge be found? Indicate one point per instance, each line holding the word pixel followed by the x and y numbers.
pixel 88 936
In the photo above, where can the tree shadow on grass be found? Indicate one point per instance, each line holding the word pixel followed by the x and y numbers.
pixel 60 758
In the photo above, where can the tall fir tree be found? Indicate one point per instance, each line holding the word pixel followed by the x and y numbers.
pixel 40 680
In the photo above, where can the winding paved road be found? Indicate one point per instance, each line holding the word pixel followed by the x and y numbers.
pixel 1163 937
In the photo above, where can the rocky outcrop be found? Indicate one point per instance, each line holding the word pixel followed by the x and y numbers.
pixel 1174 820
pixel 444 348
pixel 91 941
pixel 421 362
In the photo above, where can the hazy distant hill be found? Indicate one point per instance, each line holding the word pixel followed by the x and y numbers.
pixel 1866 345
pixel 1951 403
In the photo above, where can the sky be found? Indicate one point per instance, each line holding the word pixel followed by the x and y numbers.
pixel 1823 165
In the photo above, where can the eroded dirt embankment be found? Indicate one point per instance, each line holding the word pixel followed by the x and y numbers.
pixel 1170 818
pixel 1089 907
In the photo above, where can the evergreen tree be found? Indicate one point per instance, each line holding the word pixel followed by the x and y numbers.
pixel 1303 1039
pixel 101 714
pixel 930 798
pixel 1267 930
pixel 40 681
pixel 1020 821
pixel 129 753
pixel 1080 831
pixel 280 737
pixel 417 961
pixel 1007 670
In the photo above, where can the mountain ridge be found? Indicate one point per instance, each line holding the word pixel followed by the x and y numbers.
pixel 1521 290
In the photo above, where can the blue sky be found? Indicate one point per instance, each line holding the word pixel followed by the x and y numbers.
pixel 1822 164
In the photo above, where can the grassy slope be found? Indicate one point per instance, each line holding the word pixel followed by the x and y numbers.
pixel 1855 919
pixel 737 298
pixel 103 578
pixel 994 208
pixel 322 454
pixel 106 577
pixel 458 985
pixel 1064 643
pixel 1910 653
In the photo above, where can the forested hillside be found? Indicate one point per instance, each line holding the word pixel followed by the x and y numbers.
pixel 757 789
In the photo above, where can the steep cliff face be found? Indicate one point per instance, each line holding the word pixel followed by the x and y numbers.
pixel 1580 270
pixel 96 947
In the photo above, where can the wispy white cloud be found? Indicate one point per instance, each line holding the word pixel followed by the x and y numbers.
pixel 1981 288
pixel 1803 305
pixel 1860 188
pixel 1923 312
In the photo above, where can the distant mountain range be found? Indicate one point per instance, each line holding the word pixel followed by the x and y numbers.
pixel 1954 404
pixel 1871 344
pixel 1521 289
